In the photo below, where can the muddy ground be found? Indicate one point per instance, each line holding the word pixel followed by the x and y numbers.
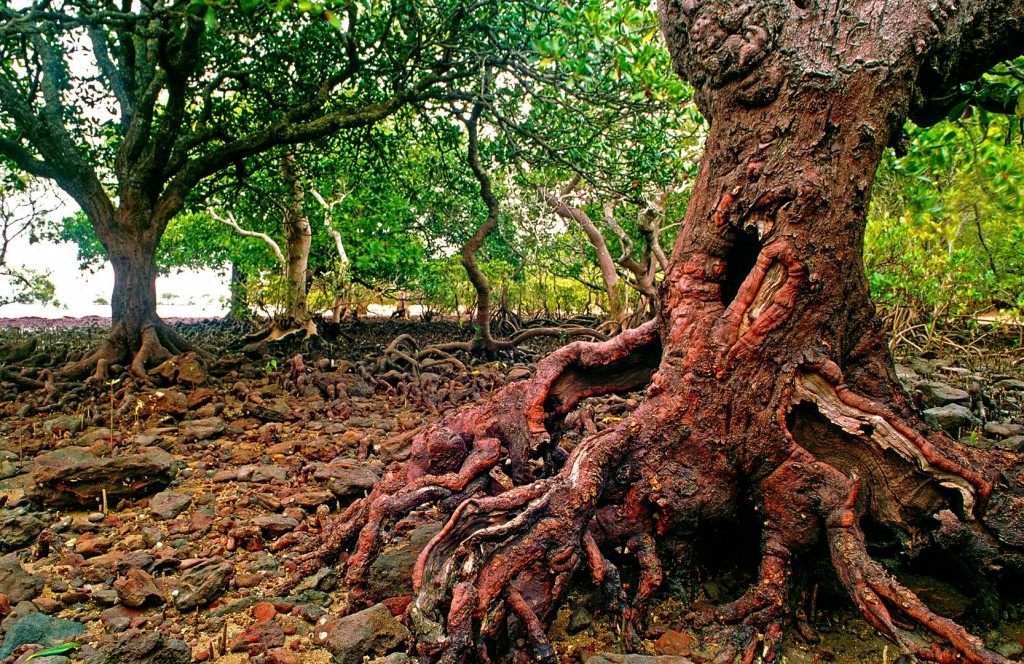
pixel 156 524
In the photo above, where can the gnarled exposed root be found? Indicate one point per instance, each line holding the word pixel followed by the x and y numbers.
pixel 878 595
pixel 280 332
pixel 525 335
pixel 463 451
pixel 520 548
pixel 154 342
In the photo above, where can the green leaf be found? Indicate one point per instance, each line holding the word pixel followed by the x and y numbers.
pixel 957 111
pixel 56 650
pixel 1019 111
pixel 210 18
pixel 333 19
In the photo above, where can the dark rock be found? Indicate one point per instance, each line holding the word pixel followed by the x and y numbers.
pixel 332 384
pixel 370 633
pixel 579 619
pixel 1013 443
pixel 42 629
pixel 261 412
pixel 20 610
pixel 120 618
pixel 952 418
pixel 275 525
pixel 63 424
pixel 935 394
pixel 18 584
pixel 105 596
pixel 262 474
pixel 18 528
pixel 938 595
pixel 1003 429
pixel 202 584
pixel 168 504
pixel 9 464
pixel 1011 649
pixel 345 478
pixel 209 427
pixel 391 573
pixel 922 366
pixel 138 588
pixel 73 477
pixel 1009 384
pixel 137 647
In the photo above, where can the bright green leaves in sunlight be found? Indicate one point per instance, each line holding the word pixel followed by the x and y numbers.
pixel 946 228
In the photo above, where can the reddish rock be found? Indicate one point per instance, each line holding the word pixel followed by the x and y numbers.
pixel 264 611
pixel 89 545
pixel 398 605
pixel 312 499
pixel 138 588
pixel 46 605
pixel 228 475
pixel 258 639
pixel 71 476
pixel 74 597
pixel 283 656
pixel 247 580
pixel 200 397
pixel 285 448
pixel 185 369
pixel 674 643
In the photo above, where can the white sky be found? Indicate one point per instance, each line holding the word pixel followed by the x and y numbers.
pixel 190 294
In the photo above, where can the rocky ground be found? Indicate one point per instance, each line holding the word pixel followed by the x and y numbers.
pixel 156 524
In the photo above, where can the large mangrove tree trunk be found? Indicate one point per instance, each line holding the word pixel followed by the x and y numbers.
pixel 770 384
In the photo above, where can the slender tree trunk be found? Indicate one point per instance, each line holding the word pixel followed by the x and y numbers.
pixel 613 286
pixel 484 342
pixel 298 240
pixel 238 308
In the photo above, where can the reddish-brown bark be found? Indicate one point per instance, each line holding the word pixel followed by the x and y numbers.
pixel 774 386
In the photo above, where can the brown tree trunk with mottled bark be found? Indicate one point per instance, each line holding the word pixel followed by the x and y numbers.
pixel 138 337
pixel 769 381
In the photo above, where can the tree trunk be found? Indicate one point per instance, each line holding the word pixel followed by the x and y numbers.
pixel 298 240
pixel 137 335
pixel 238 306
pixel 770 382
pixel 484 342
pixel 614 288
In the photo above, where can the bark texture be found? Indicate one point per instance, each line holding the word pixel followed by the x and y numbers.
pixel 298 240
pixel 773 388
